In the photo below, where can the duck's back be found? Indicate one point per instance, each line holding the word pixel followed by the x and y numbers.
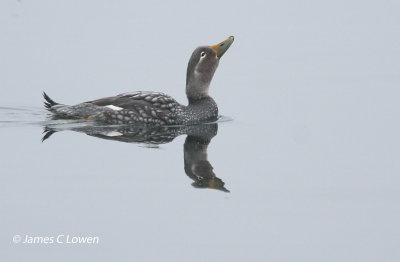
pixel 138 107
pixel 128 108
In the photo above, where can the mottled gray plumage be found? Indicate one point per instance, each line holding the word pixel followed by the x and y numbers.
pixel 153 107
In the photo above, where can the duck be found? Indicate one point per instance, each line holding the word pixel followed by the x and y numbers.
pixel 155 108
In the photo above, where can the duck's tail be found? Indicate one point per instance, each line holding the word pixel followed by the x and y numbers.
pixel 48 102
pixel 60 111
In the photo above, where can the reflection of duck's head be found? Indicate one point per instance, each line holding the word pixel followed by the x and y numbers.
pixel 197 166
pixel 201 68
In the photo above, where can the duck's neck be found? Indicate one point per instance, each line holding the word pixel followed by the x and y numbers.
pixel 196 90
pixel 198 83
pixel 200 100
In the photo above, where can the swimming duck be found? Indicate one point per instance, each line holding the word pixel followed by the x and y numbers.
pixel 154 107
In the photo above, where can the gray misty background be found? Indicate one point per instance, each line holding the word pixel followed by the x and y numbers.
pixel 311 157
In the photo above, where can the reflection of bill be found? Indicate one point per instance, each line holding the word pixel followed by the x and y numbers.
pixel 196 163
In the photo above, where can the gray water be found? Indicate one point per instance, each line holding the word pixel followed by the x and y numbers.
pixel 308 146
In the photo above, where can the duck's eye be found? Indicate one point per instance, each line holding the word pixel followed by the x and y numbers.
pixel 203 54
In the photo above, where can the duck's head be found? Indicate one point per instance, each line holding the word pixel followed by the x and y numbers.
pixel 201 68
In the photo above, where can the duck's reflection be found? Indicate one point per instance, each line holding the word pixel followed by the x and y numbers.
pixel 196 163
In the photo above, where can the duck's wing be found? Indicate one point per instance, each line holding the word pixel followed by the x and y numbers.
pixel 144 105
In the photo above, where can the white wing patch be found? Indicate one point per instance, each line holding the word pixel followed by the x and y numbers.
pixel 116 108
pixel 114 133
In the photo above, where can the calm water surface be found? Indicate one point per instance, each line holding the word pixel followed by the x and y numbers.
pixel 306 169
